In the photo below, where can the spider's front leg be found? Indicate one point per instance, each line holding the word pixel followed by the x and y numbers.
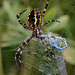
pixel 23 24
pixel 49 22
pixel 45 8
pixel 19 18
pixel 43 16
pixel 21 48
pixel 47 47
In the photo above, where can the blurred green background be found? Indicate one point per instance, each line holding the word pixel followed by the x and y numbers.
pixel 12 35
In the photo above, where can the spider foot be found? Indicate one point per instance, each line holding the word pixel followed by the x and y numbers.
pixel 25 67
pixel 49 58
pixel 17 65
pixel 22 64
pixel 53 56
pixel 57 21
pixel 16 62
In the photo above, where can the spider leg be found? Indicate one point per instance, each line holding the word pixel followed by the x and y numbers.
pixel 47 47
pixel 23 24
pixel 42 15
pixel 27 27
pixel 45 8
pixel 16 56
pixel 21 48
pixel 19 18
pixel 49 22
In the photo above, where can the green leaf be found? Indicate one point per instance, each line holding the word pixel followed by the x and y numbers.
pixel 69 55
pixel 8 9
pixel 50 14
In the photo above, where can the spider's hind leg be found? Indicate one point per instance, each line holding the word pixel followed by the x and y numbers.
pixel 47 47
pixel 21 48
pixel 19 58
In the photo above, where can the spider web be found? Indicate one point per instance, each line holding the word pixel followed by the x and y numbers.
pixel 34 56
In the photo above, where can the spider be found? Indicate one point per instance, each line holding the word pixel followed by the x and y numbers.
pixel 34 24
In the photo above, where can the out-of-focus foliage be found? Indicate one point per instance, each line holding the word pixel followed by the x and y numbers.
pixel 13 34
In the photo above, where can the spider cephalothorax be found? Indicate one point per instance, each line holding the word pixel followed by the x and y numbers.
pixel 34 18
pixel 34 24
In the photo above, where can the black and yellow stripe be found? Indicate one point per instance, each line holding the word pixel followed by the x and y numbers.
pixel 34 18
